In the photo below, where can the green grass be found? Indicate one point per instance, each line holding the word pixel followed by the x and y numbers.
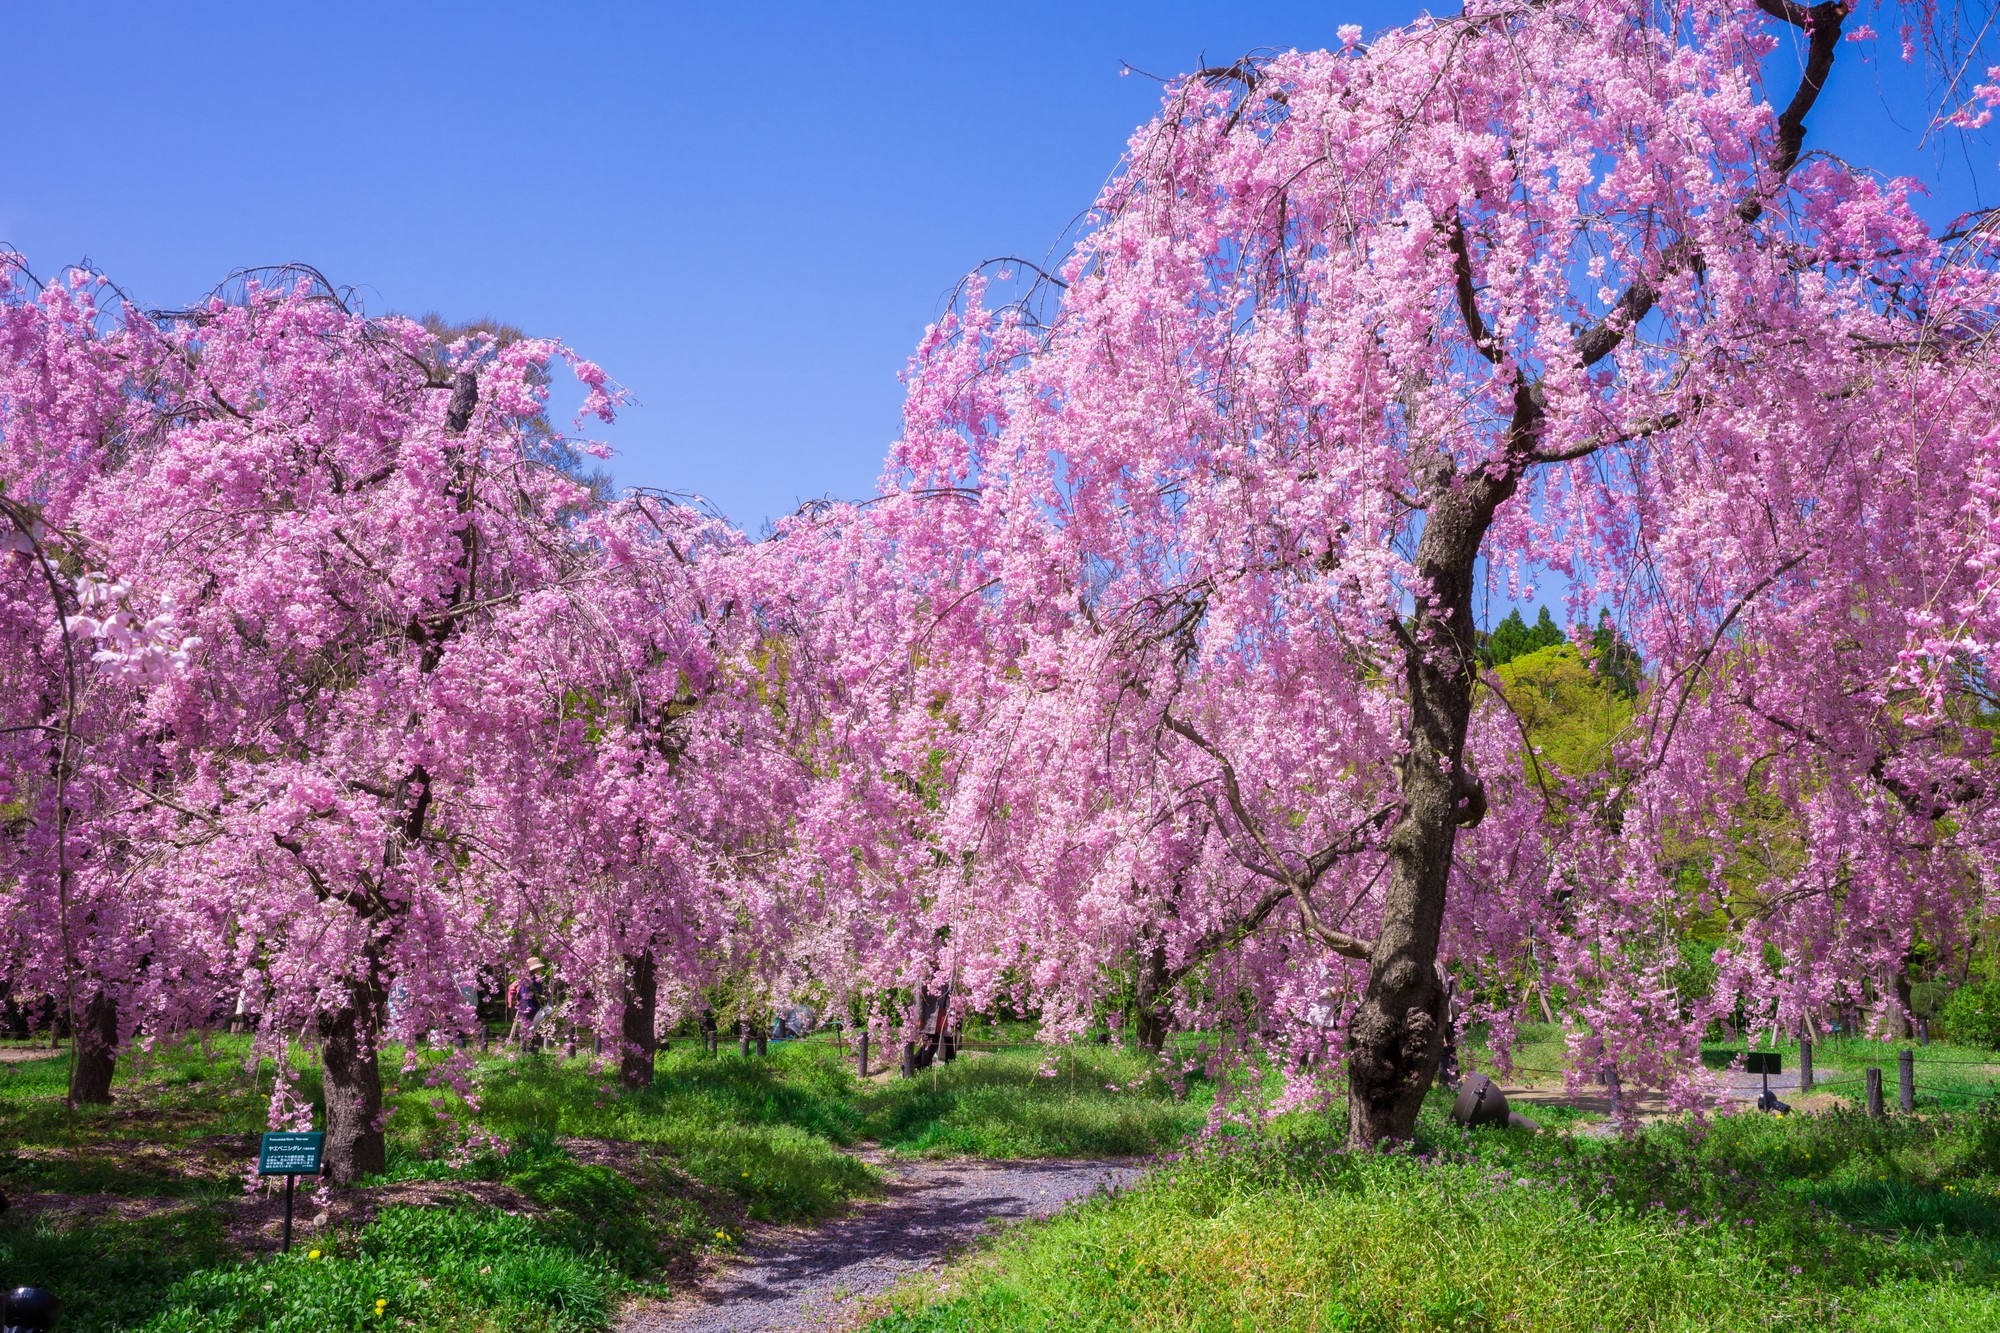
pixel 1833 1221
pixel 429 1268
pixel 1002 1105
pixel 112 1275
pixel 1948 1077
pixel 717 1141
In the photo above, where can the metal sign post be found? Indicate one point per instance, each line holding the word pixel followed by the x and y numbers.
pixel 290 1155
pixel 1766 1063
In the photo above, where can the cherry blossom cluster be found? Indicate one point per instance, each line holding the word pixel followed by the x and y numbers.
pixel 1147 685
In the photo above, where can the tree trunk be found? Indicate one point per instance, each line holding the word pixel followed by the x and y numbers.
pixel 642 997
pixel 1896 1014
pixel 1397 1034
pixel 1149 1025
pixel 352 1081
pixel 94 1052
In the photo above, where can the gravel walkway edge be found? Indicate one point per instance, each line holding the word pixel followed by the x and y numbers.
pixel 788 1278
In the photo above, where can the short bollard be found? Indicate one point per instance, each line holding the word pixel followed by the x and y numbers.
pixel 1906 1080
pixel 743 1039
pixel 29 1310
pixel 861 1055
pixel 1874 1076
pixel 909 1059
pixel 1805 1066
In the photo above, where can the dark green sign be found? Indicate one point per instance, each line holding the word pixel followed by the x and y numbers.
pixel 290 1154
pixel 1764 1062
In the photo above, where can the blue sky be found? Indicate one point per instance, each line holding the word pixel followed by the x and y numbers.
pixel 746 213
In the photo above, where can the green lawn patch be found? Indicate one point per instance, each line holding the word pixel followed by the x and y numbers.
pixel 619 1190
pixel 1832 1221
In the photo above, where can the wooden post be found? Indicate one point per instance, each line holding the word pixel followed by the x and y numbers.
pixel 1611 1084
pixel 1874 1092
pixel 861 1054
pixel 761 1039
pixel 1805 1065
pixel 743 1038
pixel 909 1059
pixel 1906 1080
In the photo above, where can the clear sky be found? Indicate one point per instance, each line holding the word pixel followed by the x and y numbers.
pixel 745 212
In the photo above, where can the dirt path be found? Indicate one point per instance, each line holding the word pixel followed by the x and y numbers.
pixel 801 1278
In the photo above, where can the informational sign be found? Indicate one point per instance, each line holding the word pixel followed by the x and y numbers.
pixel 290 1154
pixel 1763 1062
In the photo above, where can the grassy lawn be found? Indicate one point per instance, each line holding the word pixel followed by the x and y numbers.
pixel 1827 1221
pixel 136 1213
pixel 1948 1077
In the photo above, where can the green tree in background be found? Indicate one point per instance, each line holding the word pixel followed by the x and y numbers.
pixel 1569 714
pixel 1512 638
pixel 1616 662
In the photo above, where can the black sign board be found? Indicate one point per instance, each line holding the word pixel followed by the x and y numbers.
pixel 1763 1062
pixel 291 1154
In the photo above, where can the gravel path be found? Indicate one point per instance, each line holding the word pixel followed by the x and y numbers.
pixel 799 1278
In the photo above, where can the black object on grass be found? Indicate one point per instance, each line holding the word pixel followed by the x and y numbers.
pixel 29 1310
pixel 1480 1102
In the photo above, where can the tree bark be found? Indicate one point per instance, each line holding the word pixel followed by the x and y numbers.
pixel 1397 1034
pixel 1896 1015
pixel 642 998
pixel 350 1074
pixel 1149 1024
pixel 352 1083
pixel 94 1052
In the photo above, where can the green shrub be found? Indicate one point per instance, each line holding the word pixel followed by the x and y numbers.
pixel 1971 1015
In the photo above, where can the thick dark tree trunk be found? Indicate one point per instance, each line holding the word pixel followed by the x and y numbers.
pixel 1149 1024
pixel 352 1081
pixel 1897 1019
pixel 642 998
pixel 95 1051
pixel 1397 1036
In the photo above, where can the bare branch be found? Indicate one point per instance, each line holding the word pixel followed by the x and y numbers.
pixel 1234 793
pixel 1691 673
pixel 1822 24
pixel 1468 298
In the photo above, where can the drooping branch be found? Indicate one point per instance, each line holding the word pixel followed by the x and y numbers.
pixel 1292 884
pixel 1691 674
pixel 1468 297
pixel 1821 23
pixel 1932 804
